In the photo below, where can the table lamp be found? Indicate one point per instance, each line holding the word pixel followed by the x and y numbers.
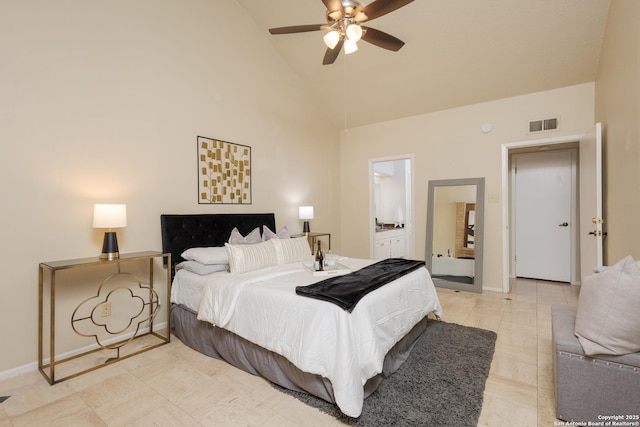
pixel 109 216
pixel 305 213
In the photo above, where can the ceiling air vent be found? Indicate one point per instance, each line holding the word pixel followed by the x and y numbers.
pixel 544 125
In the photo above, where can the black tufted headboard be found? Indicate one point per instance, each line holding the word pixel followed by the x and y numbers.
pixel 181 232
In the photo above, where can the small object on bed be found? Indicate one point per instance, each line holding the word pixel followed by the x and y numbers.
pixel 336 269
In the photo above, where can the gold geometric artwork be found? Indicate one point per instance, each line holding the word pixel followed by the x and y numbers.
pixel 224 172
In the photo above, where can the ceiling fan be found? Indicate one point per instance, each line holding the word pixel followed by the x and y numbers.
pixel 344 19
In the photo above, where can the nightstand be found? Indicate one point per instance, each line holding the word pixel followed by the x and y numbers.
pixel 120 310
pixel 313 240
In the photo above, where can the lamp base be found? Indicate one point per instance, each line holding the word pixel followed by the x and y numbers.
pixel 305 227
pixel 110 255
pixel 110 246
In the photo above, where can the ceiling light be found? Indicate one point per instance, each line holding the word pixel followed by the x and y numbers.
pixel 350 46
pixel 354 32
pixel 331 39
pixel 334 15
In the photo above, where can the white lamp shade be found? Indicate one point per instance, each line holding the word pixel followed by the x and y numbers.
pixel 350 46
pixel 305 212
pixel 109 216
pixel 354 32
pixel 331 39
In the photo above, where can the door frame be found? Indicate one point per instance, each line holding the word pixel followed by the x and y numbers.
pixel 506 199
pixel 574 254
pixel 409 208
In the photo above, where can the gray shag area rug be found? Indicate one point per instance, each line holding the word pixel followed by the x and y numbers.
pixel 441 383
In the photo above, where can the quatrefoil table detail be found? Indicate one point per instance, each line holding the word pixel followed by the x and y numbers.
pixel 121 310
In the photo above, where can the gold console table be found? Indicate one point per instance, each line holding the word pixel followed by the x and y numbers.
pixel 95 312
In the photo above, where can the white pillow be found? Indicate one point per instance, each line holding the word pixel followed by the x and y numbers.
pixel 209 256
pixel 244 258
pixel 608 314
pixel 237 238
pixel 292 250
pixel 267 234
pixel 202 269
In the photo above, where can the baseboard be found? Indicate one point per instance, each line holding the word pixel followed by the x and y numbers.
pixel 33 366
pixel 490 289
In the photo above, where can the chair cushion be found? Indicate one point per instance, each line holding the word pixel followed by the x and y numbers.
pixel 608 318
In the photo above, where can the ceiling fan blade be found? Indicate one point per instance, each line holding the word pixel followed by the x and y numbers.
pixel 298 29
pixel 381 39
pixel 334 6
pixel 381 7
pixel 331 55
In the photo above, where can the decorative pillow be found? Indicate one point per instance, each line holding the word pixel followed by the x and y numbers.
pixel 202 269
pixel 267 234
pixel 608 318
pixel 292 250
pixel 237 238
pixel 244 258
pixel 210 256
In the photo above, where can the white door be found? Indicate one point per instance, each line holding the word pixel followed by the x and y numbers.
pixel 397 247
pixel 382 250
pixel 543 214
pixel 591 221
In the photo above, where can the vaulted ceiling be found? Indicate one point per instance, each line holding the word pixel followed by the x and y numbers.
pixel 457 52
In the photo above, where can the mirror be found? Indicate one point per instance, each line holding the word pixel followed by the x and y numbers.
pixel 455 214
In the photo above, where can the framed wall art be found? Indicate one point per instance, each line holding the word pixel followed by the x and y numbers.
pixel 224 172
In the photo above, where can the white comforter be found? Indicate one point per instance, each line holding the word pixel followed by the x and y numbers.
pixel 317 336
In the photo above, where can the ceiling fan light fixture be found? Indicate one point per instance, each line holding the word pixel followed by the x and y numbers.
pixel 350 46
pixel 334 15
pixel 343 26
pixel 354 32
pixel 331 39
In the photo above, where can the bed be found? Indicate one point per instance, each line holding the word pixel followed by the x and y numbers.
pixel 256 321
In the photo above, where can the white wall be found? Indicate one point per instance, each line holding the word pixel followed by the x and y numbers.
pixel 618 108
pixel 102 102
pixel 447 145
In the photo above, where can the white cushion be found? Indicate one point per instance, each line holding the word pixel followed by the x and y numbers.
pixel 267 234
pixel 237 238
pixel 202 269
pixel 244 258
pixel 608 313
pixel 209 256
pixel 292 250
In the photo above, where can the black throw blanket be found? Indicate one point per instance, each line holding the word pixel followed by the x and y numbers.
pixel 347 290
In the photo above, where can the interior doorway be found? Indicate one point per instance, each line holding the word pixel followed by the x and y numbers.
pixel 590 222
pixel 391 207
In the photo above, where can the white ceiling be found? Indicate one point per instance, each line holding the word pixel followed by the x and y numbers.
pixel 457 52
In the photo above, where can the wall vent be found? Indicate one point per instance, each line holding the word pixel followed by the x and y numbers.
pixel 544 125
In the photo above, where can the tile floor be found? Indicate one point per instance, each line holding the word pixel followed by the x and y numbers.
pixel 176 386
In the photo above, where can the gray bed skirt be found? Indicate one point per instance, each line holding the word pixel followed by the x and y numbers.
pixel 224 345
